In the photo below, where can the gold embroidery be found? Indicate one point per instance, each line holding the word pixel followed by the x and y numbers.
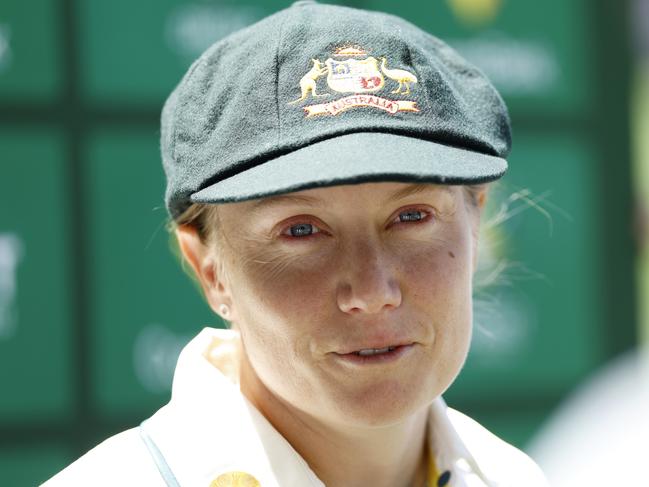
pixel 350 50
pixel 235 479
pixel 308 81
pixel 338 106
pixel 361 77
pixel 402 76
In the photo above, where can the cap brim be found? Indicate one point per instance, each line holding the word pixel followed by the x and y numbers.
pixel 353 159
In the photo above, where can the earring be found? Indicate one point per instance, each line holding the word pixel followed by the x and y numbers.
pixel 224 310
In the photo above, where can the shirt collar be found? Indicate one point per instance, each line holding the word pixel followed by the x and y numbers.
pixel 209 428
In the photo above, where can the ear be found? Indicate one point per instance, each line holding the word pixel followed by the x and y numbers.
pixel 208 269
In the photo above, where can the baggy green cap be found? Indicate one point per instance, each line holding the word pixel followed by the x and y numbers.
pixel 319 95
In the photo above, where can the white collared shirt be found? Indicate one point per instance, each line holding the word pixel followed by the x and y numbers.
pixel 209 429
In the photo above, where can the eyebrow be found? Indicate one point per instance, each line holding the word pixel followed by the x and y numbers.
pixel 284 199
pixel 417 188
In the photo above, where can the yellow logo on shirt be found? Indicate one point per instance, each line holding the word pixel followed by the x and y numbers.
pixel 235 479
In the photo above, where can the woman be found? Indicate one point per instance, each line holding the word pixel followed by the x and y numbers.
pixel 326 172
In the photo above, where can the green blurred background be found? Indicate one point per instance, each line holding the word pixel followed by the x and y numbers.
pixel 94 308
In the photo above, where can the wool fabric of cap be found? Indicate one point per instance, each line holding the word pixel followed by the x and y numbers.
pixel 319 95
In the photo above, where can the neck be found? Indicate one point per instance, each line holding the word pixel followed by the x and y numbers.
pixel 344 455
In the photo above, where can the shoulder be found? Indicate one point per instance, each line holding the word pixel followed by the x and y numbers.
pixel 498 459
pixel 121 459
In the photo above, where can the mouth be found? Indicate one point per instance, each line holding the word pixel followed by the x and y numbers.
pixel 366 352
pixel 376 348
pixel 366 356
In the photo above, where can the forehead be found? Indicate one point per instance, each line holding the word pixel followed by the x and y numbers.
pixel 376 192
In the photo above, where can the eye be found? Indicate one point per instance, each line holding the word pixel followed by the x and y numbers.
pixel 300 230
pixel 412 215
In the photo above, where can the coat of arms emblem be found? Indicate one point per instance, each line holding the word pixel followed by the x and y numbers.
pixel 352 75
pixel 363 77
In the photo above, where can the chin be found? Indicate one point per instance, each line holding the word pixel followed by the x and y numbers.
pixel 383 405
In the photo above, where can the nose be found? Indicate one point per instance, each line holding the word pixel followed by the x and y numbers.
pixel 369 283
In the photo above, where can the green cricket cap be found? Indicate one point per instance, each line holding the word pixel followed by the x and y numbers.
pixel 320 95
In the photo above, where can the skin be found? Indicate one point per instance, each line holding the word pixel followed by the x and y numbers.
pixel 365 272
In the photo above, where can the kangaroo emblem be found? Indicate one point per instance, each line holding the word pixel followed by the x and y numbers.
pixel 308 81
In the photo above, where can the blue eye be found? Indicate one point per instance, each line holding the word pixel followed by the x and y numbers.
pixel 303 230
pixel 411 215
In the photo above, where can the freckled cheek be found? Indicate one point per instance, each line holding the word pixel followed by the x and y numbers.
pixel 292 289
pixel 438 285
pixel 435 270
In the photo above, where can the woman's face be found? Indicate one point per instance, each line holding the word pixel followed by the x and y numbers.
pixel 317 276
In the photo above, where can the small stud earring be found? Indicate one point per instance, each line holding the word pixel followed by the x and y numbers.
pixel 224 310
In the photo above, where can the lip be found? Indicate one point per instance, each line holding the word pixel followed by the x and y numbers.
pixel 376 345
pixel 400 351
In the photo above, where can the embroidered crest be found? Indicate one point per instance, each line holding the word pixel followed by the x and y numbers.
pixel 362 77
pixel 352 75
pixel 235 479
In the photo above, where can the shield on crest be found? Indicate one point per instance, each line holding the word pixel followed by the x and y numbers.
pixel 354 76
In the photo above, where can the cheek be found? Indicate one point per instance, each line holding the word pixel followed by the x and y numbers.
pixel 284 285
pixel 439 268
pixel 438 285
pixel 283 307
